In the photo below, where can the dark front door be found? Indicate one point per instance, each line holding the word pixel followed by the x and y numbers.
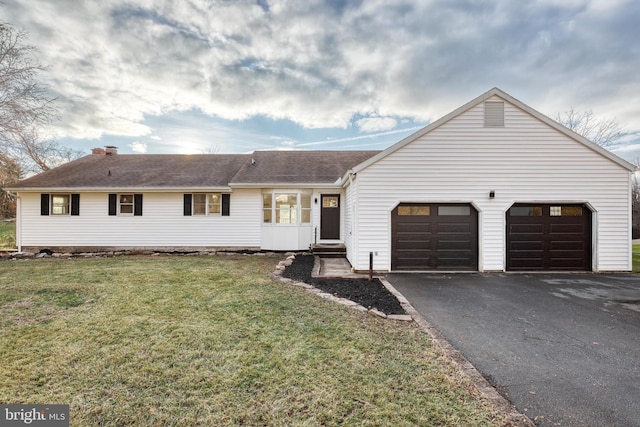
pixel 434 237
pixel 330 217
pixel 548 237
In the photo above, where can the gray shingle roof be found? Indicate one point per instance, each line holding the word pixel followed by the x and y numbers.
pixel 200 170
pixel 140 171
pixel 304 167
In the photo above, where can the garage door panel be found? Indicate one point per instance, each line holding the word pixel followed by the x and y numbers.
pixel 530 264
pixel 414 253
pixel 563 263
pixel 413 235
pixel 557 237
pixel 460 228
pixel 526 245
pixel 455 245
pixel 457 264
pixel 532 253
pixel 413 245
pixel 578 246
pixel 413 262
pixel 566 229
pixel 526 228
pixel 412 227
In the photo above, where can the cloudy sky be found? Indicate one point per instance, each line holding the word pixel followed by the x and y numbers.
pixel 232 76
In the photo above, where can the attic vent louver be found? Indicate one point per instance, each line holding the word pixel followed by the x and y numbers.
pixel 494 114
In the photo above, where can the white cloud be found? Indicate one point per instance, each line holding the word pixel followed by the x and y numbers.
pixel 116 63
pixel 287 143
pixel 138 147
pixel 376 124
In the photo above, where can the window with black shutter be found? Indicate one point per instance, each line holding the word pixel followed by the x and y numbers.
pixel 44 204
pixel 188 199
pixel 137 204
pixel 60 204
pixel 125 204
pixel 206 204
pixel 226 205
pixel 75 204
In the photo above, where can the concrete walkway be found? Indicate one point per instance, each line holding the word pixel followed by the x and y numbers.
pixel 335 268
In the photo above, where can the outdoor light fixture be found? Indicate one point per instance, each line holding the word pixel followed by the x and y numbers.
pixel 492 194
pixel 315 200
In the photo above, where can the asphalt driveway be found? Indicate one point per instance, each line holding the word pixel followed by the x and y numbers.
pixel 564 348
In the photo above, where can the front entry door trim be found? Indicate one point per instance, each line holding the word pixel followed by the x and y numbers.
pixel 330 217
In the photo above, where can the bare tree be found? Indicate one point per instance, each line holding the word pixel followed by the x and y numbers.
pixel 603 131
pixel 9 173
pixel 212 149
pixel 26 109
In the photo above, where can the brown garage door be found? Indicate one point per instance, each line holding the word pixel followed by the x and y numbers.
pixel 434 237
pixel 548 237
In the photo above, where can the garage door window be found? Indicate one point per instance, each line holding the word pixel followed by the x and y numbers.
pixel 565 211
pixel 414 210
pixel 525 211
pixel 454 210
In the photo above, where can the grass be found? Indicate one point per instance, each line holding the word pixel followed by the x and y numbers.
pixel 7 235
pixel 635 252
pixel 159 341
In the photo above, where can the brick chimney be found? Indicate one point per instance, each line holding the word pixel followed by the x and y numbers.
pixel 98 151
pixel 111 150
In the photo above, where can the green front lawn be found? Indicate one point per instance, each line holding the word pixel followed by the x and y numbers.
pixel 211 341
pixel 636 258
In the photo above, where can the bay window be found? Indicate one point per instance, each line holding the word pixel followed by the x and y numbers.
pixel 286 207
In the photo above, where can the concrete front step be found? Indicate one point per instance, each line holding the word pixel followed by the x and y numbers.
pixel 337 250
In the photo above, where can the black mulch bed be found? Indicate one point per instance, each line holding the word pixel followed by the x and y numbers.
pixel 369 294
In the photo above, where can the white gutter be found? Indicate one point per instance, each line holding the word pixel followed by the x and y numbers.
pixel 19 222
pixel 286 185
pixel 120 189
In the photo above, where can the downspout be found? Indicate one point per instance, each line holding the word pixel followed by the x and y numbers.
pixel 19 222
pixel 354 215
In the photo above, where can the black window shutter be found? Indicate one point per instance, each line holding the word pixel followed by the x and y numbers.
pixel 113 204
pixel 187 204
pixel 226 199
pixel 75 204
pixel 44 204
pixel 137 204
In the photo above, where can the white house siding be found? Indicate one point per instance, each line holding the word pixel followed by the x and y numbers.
pixel 524 161
pixel 350 223
pixel 161 225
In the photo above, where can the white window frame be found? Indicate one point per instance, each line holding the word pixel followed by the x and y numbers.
pixel 66 207
pixel 298 212
pixel 121 204
pixel 207 204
